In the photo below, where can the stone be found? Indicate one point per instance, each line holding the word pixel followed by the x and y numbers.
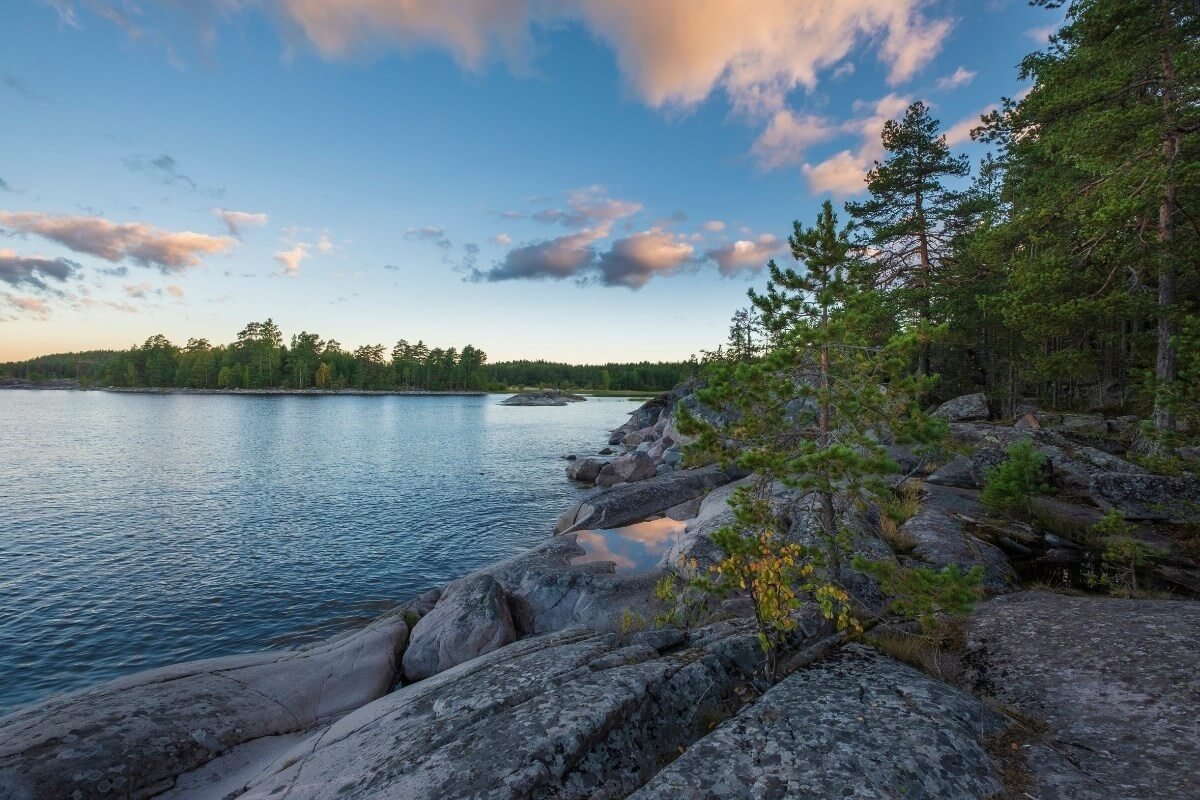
pixel 685 510
pixel 1028 422
pixel 856 724
pixel 1114 679
pixel 673 456
pixel 628 503
pixel 1150 497
pixel 662 469
pixel 586 469
pixel 958 473
pixel 608 451
pixel 471 618
pixel 133 736
pixel 940 530
pixel 967 408
pixel 628 468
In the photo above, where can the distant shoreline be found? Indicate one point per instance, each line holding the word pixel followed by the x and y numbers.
pixel 252 392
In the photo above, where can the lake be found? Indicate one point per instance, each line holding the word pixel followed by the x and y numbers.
pixel 140 530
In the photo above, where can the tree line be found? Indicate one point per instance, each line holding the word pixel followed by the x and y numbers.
pixel 260 359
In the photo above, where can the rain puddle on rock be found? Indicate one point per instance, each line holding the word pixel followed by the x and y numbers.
pixel 634 548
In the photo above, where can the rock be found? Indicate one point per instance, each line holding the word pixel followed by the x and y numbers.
pixel 958 473
pixel 629 503
pixel 685 510
pixel 1114 679
pixel 1083 423
pixel 471 618
pixel 636 438
pixel 658 638
pixel 854 725
pixel 662 469
pixel 967 408
pixel 626 469
pixel 673 456
pixel 1152 497
pixel 586 469
pixel 608 451
pixel 1028 422
pixel 132 736
pixel 570 715
pixel 940 531
pixel 908 461
pixel 544 397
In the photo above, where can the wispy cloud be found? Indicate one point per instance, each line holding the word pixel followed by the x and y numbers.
pixel 429 233
pixel 162 168
pixel 960 132
pixel 33 271
pixel 237 221
pixel 960 77
pixel 290 259
pixel 138 242
pixel 844 173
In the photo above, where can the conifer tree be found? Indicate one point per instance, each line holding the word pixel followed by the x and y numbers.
pixel 904 227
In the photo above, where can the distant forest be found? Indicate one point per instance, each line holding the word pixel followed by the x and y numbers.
pixel 260 359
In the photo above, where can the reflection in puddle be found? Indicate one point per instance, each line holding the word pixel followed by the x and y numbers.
pixel 634 548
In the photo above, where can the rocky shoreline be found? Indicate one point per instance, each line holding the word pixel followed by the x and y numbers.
pixel 527 679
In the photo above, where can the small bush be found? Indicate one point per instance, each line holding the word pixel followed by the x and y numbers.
pixel 1121 554
pixel 1011 486
pixel 924 593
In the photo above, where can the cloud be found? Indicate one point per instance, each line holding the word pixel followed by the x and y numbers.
pixel 961 77
pixel 33 271
pixel 590 205
pixel 137 291
pixel 635 259
pixel 139 242
pixel 29 305
pixel 17 85
pixel 713 226
pixel 745 254
pixel 175 290
pixel 561 257
pixel 1041 35
pixel 4 187
pixel 162 168
pixel 391 267
pixel 960 132
pixel 237 221
pixel 844 173
pixel 290 260
pixel 502 239
pixel 324 245
pixel 788 136
pixel 429 233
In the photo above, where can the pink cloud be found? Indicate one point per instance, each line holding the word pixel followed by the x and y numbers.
pixel 788 136
pixel 745 254
pixel 290 259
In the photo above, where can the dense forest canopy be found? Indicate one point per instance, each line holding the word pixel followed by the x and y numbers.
pixel 260 359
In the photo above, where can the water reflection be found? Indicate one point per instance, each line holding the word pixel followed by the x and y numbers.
pixel 634 548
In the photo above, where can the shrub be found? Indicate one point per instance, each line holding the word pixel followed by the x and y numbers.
pixel 922 593
pixel 1122 554
pixel 1011 486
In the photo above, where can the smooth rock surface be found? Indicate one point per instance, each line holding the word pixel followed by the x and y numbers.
pixel 133 736
pixel 472 617
pixel 1153 497
pixel 629 503
pixel 1116 680
pixel 967 408
pixel 629 468
pixel 940 531
pixel 856 725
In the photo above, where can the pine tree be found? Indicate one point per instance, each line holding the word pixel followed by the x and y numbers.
pixel 904 226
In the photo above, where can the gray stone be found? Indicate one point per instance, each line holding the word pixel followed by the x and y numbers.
pixel 471 618
pixel 586 469
pixel 672 455
pixel 662 469
pixel 628 468
pixel 1115 680
pixel 1152 497
pixel 685 510
pixel 856 725
pixel 967 408
pixel 958 473
pixel 939 529
pixel 628 503
pixel 133 736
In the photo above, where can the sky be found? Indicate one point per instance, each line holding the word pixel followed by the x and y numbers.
pixel 574 180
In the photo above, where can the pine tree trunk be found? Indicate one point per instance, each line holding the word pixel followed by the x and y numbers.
pixel 1164 365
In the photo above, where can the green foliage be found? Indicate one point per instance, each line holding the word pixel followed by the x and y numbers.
pixel 923 593
pixel 644 376
pixel 1121 554
pixel 1010 487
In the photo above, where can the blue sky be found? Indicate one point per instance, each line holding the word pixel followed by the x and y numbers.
pixel 576 180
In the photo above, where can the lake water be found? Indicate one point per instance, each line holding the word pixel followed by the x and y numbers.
pixel 140 530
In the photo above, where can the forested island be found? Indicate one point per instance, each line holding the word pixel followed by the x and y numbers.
pixel 260 359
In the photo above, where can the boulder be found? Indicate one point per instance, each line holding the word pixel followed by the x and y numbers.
pixel 471 618
pixel 628 468
pixel 967 408
pixel 586 469
pixel 635 438
pixel 1028 422
pixel 673 456
pixel 958 472
pixel 856 724
pixel 1152 497
pixel 1113 679
pixel 628 503
pixel 940 530
pixel 133 736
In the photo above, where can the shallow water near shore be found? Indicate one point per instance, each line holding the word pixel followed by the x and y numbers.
pixel 141 530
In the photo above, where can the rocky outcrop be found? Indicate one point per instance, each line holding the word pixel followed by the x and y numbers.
pixel 543 397
pixel 1151 497
pixel 133 736
pixel 628 503
pixel 942 537
pixel 855 725
pixel 471 618
pixel 630 468
pixel 1114 679
pixel 967 408
pixel 586 470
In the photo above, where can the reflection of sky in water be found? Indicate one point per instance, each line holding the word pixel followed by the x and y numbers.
pixel 634 548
